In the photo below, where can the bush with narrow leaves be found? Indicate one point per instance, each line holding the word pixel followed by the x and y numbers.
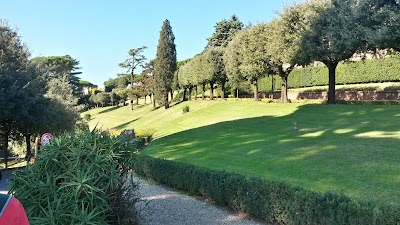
pixel 80 178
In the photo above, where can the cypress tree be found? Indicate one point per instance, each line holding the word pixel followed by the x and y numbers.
pixel 165 64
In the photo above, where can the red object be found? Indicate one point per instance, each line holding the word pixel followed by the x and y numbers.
pixel 14 214
pixel 46 138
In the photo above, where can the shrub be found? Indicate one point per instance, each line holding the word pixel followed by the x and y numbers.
pixel 274 202
pixel 145 132
pixel 372 102
pixel 78 179
pixel 368 71
pixel 87 116
pixel 185 109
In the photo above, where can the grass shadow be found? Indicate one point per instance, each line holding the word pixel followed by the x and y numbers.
pixel 124 125
pixel 350 150
pixel 112 108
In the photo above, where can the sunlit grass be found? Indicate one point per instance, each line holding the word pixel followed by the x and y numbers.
pixel 344 149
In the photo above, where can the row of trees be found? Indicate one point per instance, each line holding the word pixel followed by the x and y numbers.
pixel 156 78
pixel 37 95
pixel 328 31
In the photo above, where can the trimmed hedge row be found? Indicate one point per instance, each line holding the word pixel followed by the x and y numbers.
pixel 271 201
pixel 367 71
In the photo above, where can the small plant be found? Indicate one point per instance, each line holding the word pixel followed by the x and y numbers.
pixel 185 109
pixel 145 135
pixel 87 117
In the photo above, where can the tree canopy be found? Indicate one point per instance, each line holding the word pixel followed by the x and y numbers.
pixel 224 32
pixel 165 64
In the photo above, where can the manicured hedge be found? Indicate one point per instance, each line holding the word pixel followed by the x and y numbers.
pixel 367 71
pixel 271 201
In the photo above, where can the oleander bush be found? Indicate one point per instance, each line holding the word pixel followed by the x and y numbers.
pixel 354 72
pixel 274 202
pixel 80 178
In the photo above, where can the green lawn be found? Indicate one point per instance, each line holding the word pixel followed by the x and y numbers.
pixel 345 149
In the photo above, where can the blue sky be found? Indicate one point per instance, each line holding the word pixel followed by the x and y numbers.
pixel 100 33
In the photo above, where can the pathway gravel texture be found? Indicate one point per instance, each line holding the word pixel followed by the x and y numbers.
pixel 161 206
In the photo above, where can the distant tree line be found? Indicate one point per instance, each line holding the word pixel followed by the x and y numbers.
pixel 328 31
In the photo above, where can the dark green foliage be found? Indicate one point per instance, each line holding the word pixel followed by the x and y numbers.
pixel 368 71
pixel 224 32
pixel 87 116
pixel 60 67
pixel 273 202
pixel 165 64
pixel 185 109
pixel 78 180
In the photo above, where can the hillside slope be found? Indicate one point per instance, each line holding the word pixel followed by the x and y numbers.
pixel 345 149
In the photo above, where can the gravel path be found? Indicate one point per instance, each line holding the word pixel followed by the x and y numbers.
pixel 165 207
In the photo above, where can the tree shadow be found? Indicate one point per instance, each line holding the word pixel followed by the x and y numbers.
pixel 125 125
pixel 350 150
pixel 112 108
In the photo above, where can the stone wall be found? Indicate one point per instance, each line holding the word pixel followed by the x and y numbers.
pixel 340 95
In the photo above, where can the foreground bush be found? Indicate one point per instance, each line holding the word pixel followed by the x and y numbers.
pixel 78 179
pixel 274 202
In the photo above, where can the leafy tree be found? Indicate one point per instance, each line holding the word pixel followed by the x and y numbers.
pixel 103 98
pixel 381 20
pixel 282 39
pixel 136 58
pixel 224 32
pixel 246 57
pixel 14 77
pixel 59 67
pixel 215 69
pixel 110 84
pixel 165 63
pixel 233 59
pixel 335 34
pixel 148 80
pixel 60 90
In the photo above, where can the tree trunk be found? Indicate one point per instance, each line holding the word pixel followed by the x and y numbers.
pixel 4 145
pixel 255 88
pixel 203 96
pixel 154 101
pixel 28 146
pixel 137 100
pixel 145 98
pixel 223 91
pixel 211 90
pixel 273 83
pixel 172 95
pixel 284 97
pixel 184 95
pixel 190 93
pixel 195 92
pixel 332 81
pixel 166 102
pixel 237 93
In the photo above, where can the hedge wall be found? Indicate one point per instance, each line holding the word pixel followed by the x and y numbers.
pixel 367 71
pixel 271 201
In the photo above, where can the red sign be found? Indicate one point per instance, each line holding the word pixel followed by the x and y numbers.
pixel 46 138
